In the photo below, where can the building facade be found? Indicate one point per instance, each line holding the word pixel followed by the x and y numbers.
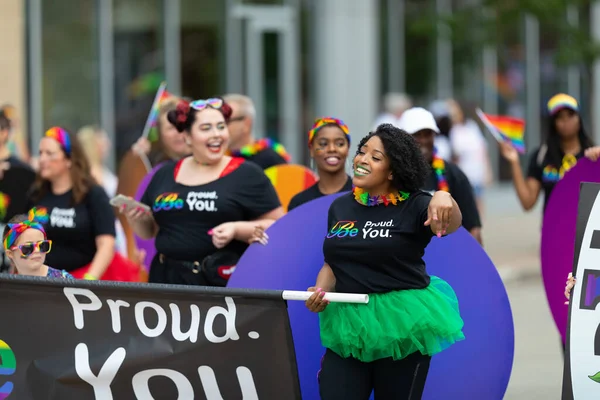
pixel 79 62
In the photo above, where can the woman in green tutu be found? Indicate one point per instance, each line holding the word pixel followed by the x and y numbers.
pixel 375 244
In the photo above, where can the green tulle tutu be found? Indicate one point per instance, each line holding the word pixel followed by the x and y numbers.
pixel 394 324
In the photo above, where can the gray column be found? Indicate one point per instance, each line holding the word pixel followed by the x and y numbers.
pixel 490 102
pixel 396 46
pixel 234 56
pixel 347 62
pixel 107 76
pixel 443 65
pixel 573 73
pixel 172 44
pixel 34 53
pixel 532 78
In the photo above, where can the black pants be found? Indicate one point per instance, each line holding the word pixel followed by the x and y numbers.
pixel 351 379
pixel 163 270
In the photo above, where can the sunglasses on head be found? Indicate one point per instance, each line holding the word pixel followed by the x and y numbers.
pixel 202 104
pixel 27 249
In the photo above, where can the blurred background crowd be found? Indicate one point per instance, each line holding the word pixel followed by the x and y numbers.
pixel 94 66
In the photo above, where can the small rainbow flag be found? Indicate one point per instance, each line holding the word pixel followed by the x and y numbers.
pixel 505 128
pixel 151 127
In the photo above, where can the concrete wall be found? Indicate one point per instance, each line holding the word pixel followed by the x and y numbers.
pixel 13 73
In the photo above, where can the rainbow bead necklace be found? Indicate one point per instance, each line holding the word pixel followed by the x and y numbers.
pixel 365 199
pixel 260 145
pixel 439 166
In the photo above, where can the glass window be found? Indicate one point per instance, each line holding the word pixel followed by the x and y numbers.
pixel 509 83
pixel 202 48
pixel 70 64
pixel 259 2
pixel 420 50
pixel 139 66
pixel 466 53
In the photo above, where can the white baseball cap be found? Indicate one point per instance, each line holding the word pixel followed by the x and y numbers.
pixel 417 119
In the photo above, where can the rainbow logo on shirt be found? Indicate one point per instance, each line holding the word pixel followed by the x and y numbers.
pixel 551 174
pixel 4 203
pixel 342 229
pixel 167 201
pixel 8 366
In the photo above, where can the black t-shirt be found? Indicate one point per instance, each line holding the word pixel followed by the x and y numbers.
pixel 16 162
pixel 378 249
pixel 185 214
pixel 266 158
pixel 15 185
pixel 461 190
pixel 542 170
pixel 73 229
pixel 313 193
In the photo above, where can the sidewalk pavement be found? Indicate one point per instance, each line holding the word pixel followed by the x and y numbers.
pixel 511 236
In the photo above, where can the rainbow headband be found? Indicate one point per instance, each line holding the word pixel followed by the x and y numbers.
pixel 62 137
pixel 35 219
pixel 321 122
pixel 561 101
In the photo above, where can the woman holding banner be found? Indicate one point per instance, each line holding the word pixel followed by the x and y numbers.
pixel 205 206
pixel 566 143
pixel 81 220
pixel 376 241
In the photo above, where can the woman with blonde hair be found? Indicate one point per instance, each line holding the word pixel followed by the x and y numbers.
pixel 96 145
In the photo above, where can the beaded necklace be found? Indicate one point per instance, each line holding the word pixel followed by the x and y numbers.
pixel 267 143
pixel 365 199
pixel 439 166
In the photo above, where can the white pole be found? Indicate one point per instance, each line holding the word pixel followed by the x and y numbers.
pixel 333 297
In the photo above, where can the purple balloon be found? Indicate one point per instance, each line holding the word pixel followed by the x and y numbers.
pixel 558 236
pixel 477 368
pixel 147 245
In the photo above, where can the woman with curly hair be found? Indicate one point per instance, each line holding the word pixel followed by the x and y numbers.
pixel 375 244
pixel 203 207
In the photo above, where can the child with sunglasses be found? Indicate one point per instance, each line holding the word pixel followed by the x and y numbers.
pixel 26 245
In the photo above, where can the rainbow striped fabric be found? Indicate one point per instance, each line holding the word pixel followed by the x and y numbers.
pixel 508 128
pixel 322 121
pixel 152 122
pixel 62 137
pixel 562 101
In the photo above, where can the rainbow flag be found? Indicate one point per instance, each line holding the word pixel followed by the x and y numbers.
pixel 151 127
pixel 145 84
pixel 505 128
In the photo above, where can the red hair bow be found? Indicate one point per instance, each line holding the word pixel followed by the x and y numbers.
pixel 183 108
